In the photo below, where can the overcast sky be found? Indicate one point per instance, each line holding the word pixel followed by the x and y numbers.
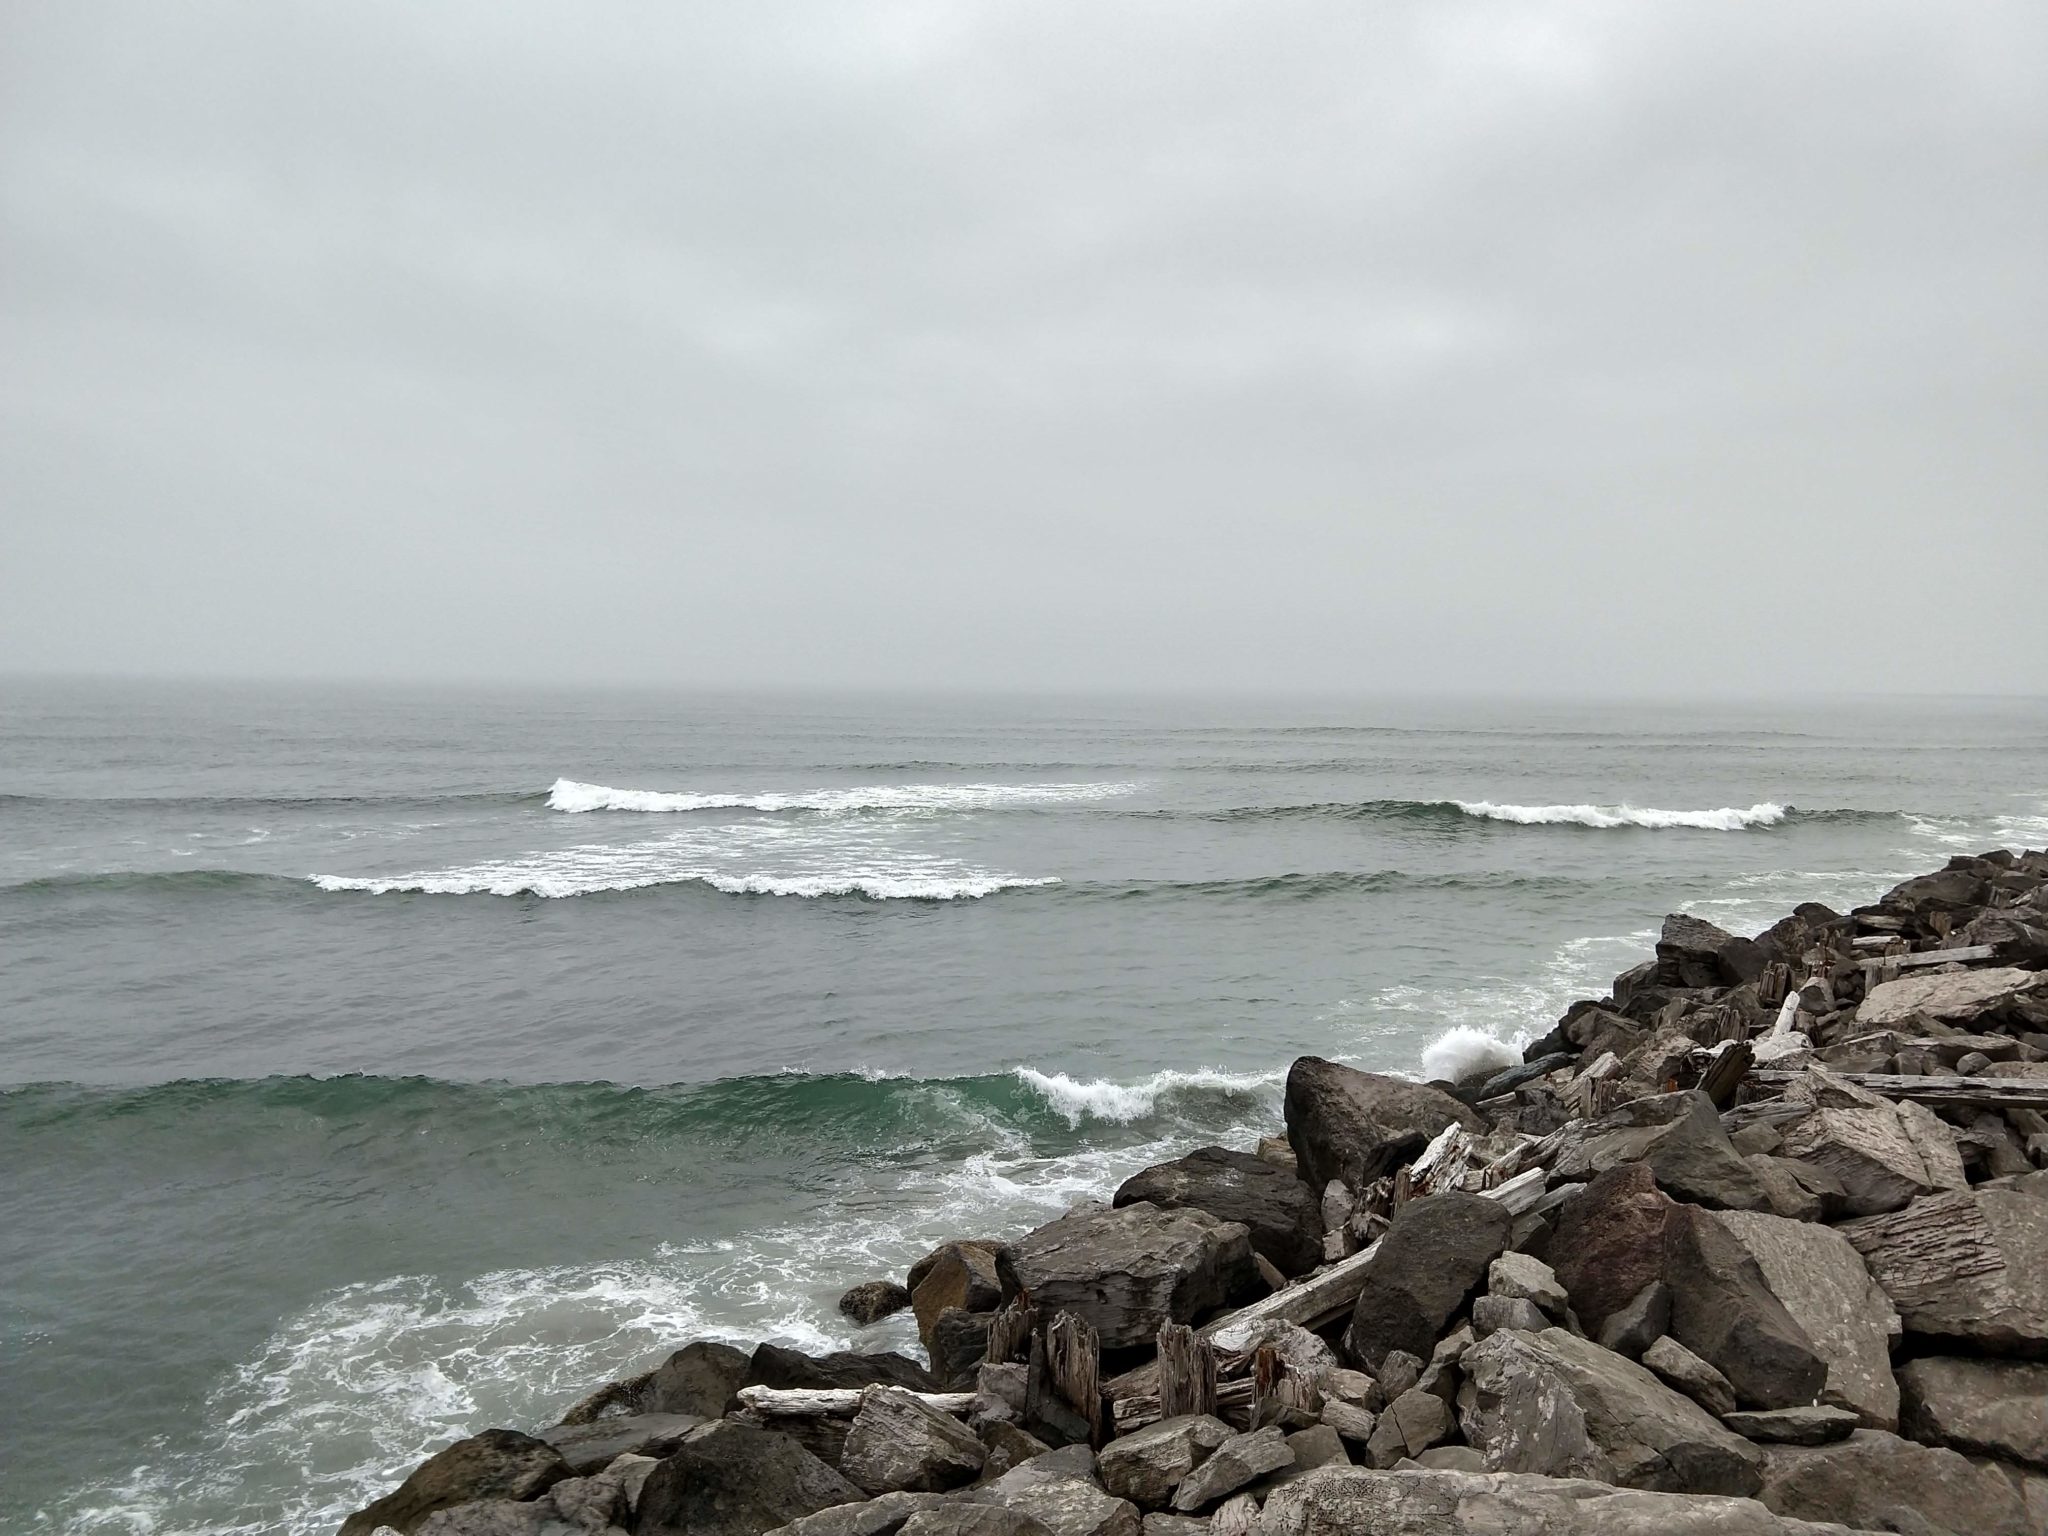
pixel 1349 346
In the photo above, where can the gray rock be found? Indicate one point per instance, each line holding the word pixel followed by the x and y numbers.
pixel 1356 1126
pixel 1520 1277
pixel 1163 1524
pixel 972 1520
pixel 1008 1446
pixel 964 1275
pixel 729 1479
pixel 1352 1501
pixel 774 1366
pixel 1551 1402
pixel 1610 1242
pixel 1792 1426
pixel 958 1348
pixel 873 1517
pixel 1399 1370
pixel 1068 1506
pixel 1678 1136
pixel 1867 1149
pixel 1823 1283
pixel 1954 998
pixel 1148 1464
pixel 497 1464
pixel 1433 1256
pixel 500 1517
pixel 1683 1371
pixel 699 1378
pixel 873 1300
pixel 1786 1191
pixel 1969 1267
pixel 1881 1482
pixel 1127 1271
pixel 1724 1311
pixel 1984 1407
pixel 1410 1425
pixel 1641 1321
pixel 1283 1216
pixel 1490 1314
pixel 1354 1423
pixel 592 1502
pixel 631 1473
pixel 1301 1349
pixel 899 1444
pixel 1240 1460
pixel 1451 1458
pixel 1320 1445
pixel 593 1446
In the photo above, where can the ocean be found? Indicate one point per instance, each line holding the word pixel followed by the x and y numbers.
pixel 380 1065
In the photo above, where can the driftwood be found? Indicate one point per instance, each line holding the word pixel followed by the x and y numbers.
pixel 1970 1092
pixel 1280 1393
pixel 836 1402
pixel 1725 1073
pixel 1009 1331
pixel 1187 1372
pixel 1073 1363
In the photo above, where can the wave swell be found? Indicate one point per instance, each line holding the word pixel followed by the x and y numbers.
pixel 1451 815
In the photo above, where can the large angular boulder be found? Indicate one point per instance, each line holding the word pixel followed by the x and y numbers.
pixel 1355 1126
pixel 1148 1464
pixel 1822 1281
pixel 699 1378
pixel 1282 1213
pixel 1971 1267
pixel 774 1366
pixel 1724 1311
pixel 1238 1461
pixel 963 1275
pixel 1558 1404
pixel 1608 1247
pixel 900 1444
pixel 499 1517
pixel 594 1446
pixel 1984 1407
pixel 1678 1136
pixel 497 1464
pixel 1430 1261
pixel 1868 1148
pixel 1878 1481
pixel 1060 1492
pixel 972 1520
pixel 1692 952
pixel 1953 998
pixel 732 1480
pixel 882 1516
pixel 1127 1271
pixel 1352 1501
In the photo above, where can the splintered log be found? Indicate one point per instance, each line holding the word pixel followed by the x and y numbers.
pixel 1280 1394
pixel 836 1402
pixel 1009 1331
pixel 1073 1362
pixel 1724 1075
pixel 1187 1372
pixel 1960 1092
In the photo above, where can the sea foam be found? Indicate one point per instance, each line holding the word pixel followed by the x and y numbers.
pixel 1105 1099
pixel 1464 1051
pixel 1727 818
pixel 574 796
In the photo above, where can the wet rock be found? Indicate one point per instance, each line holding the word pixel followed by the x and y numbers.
pixel 699 1378
pixel 1610 1242
pixel 1877 1481
pixel 963 1275
pixel 1678 1136
pixel 1127 1271
pixel 1548 1402
pixel 1683 1371
pixel 592 1447
pixel 497 1464
pixel 1282 1214
pixel 1430 1260
pixel 899 1444
pixel 1356 1126
pixel 1240 1460
pixel 1148 1464
pixel 1792 1426
pixel 1970 1267
pixel 729 1479
pixel 1822 1282
pixel 873 1300
pixel 1984 1407
pixel 1641 1321
pixel 1724 1311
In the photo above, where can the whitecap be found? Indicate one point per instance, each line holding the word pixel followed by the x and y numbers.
pixel 576 797
pixel 1106 1099
pixel 1724 819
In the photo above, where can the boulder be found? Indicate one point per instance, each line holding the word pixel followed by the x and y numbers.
pixel 1008 1446
pixel 1792 1426
pixel 729 1479
pixel 1411 1424
pixel 1356 1126
pixel 1954 997
pixel 699 1378
pixel 774 1366
pixel 962 1275
pixel 1520 1277
pixel 1148 1464
pixel 899 1444
pixel 1724 1311
pixel 1282 1213
pixel 1609 1242
pixel 1878 1481
pixel 1065 1506
pixel 1127 1271
pixel 958 1347
pixel 1692 952
pixel 1785 1190
pixel 594 1446
pixel 1320 1445
pixel 1430 1260
pixel 1490 1314
pixel 1985 1407
pixel 1238 1461
pixel 1678 1136
pixel 972 1520
pixel 497 1464
pixel 1971 1267
pixel 1352 1501
pixel 1163 1524
pixel 874 1517
pixel 1683 1371
pixel 502 1517
pixel 873 1300
pixel 1558 1404
pixel 1641 1321
pixel 1822 1282
pixel 1868 1149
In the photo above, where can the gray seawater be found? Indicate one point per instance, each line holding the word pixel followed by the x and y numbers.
pixel 382 1065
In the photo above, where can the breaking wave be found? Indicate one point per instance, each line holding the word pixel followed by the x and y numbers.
pixel 1727 818
pixel 489 881
pixel 1453 815
pixel 572 796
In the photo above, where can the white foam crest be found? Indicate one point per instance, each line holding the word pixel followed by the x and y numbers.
pixel 1105 1099
pixel 1727 818
pixel 496 881
pixel 576 797
pixel 1465 1050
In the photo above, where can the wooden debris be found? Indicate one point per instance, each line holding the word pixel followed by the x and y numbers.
pixel 1980 1092
pixel 836 1402
pixel 1009 1331
pixel 1187 1372
pixel 1073 1359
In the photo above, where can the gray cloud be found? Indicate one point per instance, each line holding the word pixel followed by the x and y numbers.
pixel 1582 347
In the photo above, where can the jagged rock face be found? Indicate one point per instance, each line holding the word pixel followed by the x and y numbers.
pixel 1351 1501
pixel 1878 1481
pixel 1984 1407
pixel 972 1520
pixel 1683 1371
pixel 1557 1404
pixel 1355 1126
pixel 900 1445
pixel 1678 1136
pixel 699 1378
pixel 1969 1267
pixel 1282 1213
pixel 1724 1311
pixel 1609 1243
pixel 1125 1272
pixel 497 1464
pixel 1822 1281
pixel 732 1480
pixel 1433 1256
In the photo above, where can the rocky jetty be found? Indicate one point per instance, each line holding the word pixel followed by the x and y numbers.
pixel 1757 1243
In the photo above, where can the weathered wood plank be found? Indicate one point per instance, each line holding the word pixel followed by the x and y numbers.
pixel 836 1402
pixel 1187 1372
pixel 1919 957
